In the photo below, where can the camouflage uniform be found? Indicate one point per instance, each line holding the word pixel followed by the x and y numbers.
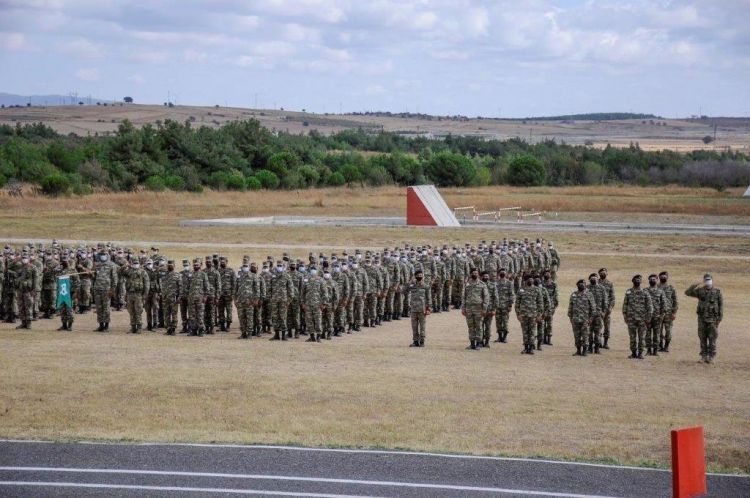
pixel 198 292
pixel 314 295
pixel 343 283
pixel 529 310
pixel 361 291
pixel 228 283
pixel 294 318
pixel 554 297
pixel 637 309
pixel 49 287
pixel 120 299
pixel 104 285
pixel 185 276
pixel 265 315
pixel 151 303
pixel 601 300
pixel 503 304
pixel 487 318
pixel 419 302
pixel 171 291
pixel 653 327
pixel 438 281
pixel 10 301
pixel 247 296
pixel 137 286
pixel 85 266
pixel 554 262
pixel 710 313
pixel 38 276
pixel 607 319
pixel 282 293
pixel 392 307
pixel 330 302
pixel 476 301
pixel 581 310
pixel 214 281
pixel 671 305
pixel 67 317
pixel 25 276
pixel 374 277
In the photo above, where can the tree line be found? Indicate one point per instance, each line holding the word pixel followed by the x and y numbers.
pixel 243 155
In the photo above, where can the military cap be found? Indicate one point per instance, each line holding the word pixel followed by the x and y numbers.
pixel 602 269
pixel 222 258
pixel 581 281
pixel 185 261
pixel 663 273
pixel 208 258
pixel 357 251
pixel 707 276
pixel 170 262
pixel 280 263
pixel 653 275
pixel 418 272
pixel 215 255
pixel 197 261
pixel 636 277
pixel 149 261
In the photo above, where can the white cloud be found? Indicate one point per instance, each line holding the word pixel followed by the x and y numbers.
pixel 153 57
pixel 90 74
pixel 12 42
pixel 294 32
pixel 191 55
pixel 80 47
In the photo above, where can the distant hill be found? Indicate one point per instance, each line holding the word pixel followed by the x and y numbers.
pixel 596 116
pixel 9 99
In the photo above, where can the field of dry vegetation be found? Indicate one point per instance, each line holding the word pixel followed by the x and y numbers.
pixel 369 389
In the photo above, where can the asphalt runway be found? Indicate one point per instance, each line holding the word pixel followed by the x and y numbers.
pixel 30 468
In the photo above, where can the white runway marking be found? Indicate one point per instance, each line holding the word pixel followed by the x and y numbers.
pixel 397 484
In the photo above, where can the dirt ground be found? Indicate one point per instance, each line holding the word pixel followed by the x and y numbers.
pixel 674 134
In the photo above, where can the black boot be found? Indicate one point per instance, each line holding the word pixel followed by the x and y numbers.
pixel 585 350
pixel 578 351
pixel 654 353
pixel 421 343
pixel 472 345
pixel 605 345
pixel 149 325
pixel 63 326
pixel 505 336
pixel 275 336
pixel 414 344
pixel 486 342
pixel 311 338
pixel 69 325
pixel 640 354
pixel 539 344
pixel 222 327
pixel 531 348
pixel 633 354
pixel 317 337
pixel 499 337
pixel 596 348
pixel 666 346
pixel 101 327
pixel 133 329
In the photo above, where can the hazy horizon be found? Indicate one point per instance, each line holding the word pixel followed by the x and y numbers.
pixel 492 59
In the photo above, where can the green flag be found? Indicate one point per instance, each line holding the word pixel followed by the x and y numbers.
pixel 63 292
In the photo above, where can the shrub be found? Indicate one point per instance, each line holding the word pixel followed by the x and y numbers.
pixel 336 179
pixel 174 182
pixel 450 169
pixel 155 183
pixel 218 180
pixel 267 179
pixel 526 171
pixel 235 180
pixel 2 181
pixel 253 183
pixel 55 184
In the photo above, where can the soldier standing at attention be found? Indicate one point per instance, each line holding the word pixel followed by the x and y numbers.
pixel 228 282
pixel 294 321
pixel 529 309
pixel 475 303
pixel 247 296
pixel 653 327
pixel 581 310
pixel 487 319
pixel 185 275
pixel 104 286
pixel 49 286
pixel 151 304
pixel 710 313
pixel 547 310
pixel 282 293
pixel 607 284
pixel 554 297
pixel 198 293
pixel 313 298
pixel 419 307
pixel 170 297
pixel 214 281
pixel 599 293
pixel 503 304
pixel 85 267
pixel 24 286
pixel 637 309
pixel 137 285
pixel 670 311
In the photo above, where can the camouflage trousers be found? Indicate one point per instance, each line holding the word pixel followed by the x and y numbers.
pixel 486 327
pixel 380 310
pixel 48 300
pixel 101 301
pixel 266 313
pixel 121 293
pixel 184 305
pixel 653 327
pixel 25 305
pixel 708 333
pixel 595 330
pixel 474 322
pixel 405 304
pixel 437 295
pixel 196 313
pixel 447 294
pixel 151 306
pixel 209 313
pixel 501 321
pixel 84 294
pixel 35 298
pixel 580 334
pixel 225 309
pixel 548 324
pixel 665 334
pixel 637 333
pixel 390 302
pixel 134 302
pixel 358 310
pixel 314 319
pixel 418 325
pixel 458 291
pixel 293 318
pixel 340 317
pixel 371 307
pixel 66 314
pixel 246 316
pixel 607 321
pixel 279 310
pixel 10 302
pixel 328 323
pixel 528 329
pixel 170 310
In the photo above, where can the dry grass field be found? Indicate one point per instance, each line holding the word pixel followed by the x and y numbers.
pixel 368 389
pixel 674 134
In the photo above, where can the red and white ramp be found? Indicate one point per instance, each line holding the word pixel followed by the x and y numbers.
pixel 425 206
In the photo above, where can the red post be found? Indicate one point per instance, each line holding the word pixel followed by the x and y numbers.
pixel 688 463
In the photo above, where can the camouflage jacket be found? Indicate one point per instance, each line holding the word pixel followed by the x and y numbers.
pixel 199 288
pixel 420 296
pixel 657 300
pixel 171 286
pixel 105 278
pixel 582 307
pixel 637 305
pixel 314 292
pixel 185 277
pixel 282 288
pixel 214 282
pixel 671 304
pixel 529 303
pixel 248 289
pixel 476 296
pixel 710 303
pixel 610 293
pixel 554 295
pixel 505 295
pixel 601 298
pixel 137 281
pixel 228 280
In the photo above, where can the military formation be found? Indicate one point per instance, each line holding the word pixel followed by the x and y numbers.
pixel 332 295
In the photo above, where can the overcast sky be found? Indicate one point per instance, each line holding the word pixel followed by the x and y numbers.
pixel 489 58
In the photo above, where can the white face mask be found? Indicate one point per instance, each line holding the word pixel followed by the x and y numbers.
pixel 313 272
pixel 359 256
pixel 344 267
pixel 355 265
pixel 709 283
pixel 327 276
pixel 336 269
pixel 245 269
pixel 279 269
pixel 25 260
pixel 185 267
pixel 136 266
pixel 149 266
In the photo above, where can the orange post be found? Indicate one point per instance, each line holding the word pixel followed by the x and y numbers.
pixel 688 463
